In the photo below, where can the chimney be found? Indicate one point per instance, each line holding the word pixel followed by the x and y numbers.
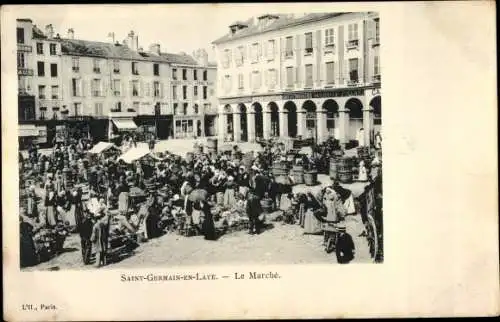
pixel 71 33
pixel 155 48
pixel 136 43
pixel 132 41
pixel 201 57
pixel 49 31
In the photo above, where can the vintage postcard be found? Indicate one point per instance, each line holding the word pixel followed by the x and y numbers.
pixel 231 161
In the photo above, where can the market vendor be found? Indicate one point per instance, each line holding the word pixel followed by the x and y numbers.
pixel 123 195
pixel 100 236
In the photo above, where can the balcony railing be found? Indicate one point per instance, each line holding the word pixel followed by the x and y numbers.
pixel 76 69
pixel 351 44
pixel 97 70
pixel 116 71
pixel 376 41
pixel 329 48
pixel 24 71
pixel 376 78
pixel 54 97
pixel 308 51
pixel 24 48
pixel 288 54
pixel 353 82
pixel 41 96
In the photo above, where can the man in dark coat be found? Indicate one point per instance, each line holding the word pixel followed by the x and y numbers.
pixel 253 210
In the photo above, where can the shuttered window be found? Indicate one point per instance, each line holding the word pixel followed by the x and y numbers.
pixel 329 39
pixel 353 32
pixel 270 49
pixel 353 70
pixel 256 80
pixel 376 65
pixel 330 76
pixel 309 43
pixel 289 76
pixel 255 53
pixel 240 81
pixel 309 75
pixel 289 47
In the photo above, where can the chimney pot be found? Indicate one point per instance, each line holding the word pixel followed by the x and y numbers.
pixel 49 30
pixel 71 33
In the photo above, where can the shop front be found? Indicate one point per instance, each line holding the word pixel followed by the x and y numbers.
pixel 120 126
pixel 188 127
pixel 27 134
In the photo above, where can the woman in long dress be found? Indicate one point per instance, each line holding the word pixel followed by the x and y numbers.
pixel 311 224
pixel 50 209
pixel 123 196
pixel 229 193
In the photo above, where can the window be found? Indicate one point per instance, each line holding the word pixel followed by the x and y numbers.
pixel 20 60
pixel 41 68
pixel 309 43
pixel 156 69
pixel 156 89
pixel 240 81
pixel 184 92
pixel 227 83
pixel 309 75
pixel 289 46
pixel 330 76
pixel 184 74
pixel 135 88
pixel 75 63
pixel 96 87
pixel 376 65
pixel 174 74
pixel 42 113
pixel 39 48
pixel 98 109
pixel 53 70
pixel 195 109
pixel 55 92
pixel 20 35
pixel 135 68
pixel 377 31
pixel 135 106
pixel 41 92
pixel 353 70
pixel 53 49
pixel 118 106
pixel 175 108
pixel 205 93
pixel 255 53
pixel 270 49
pixel 195 91
pixel 77 108
pixel 195 74
pixel 256 84
pixel 174 92
pixel 271 78
pixel 226 59
pixel 240 56
pixel 205 75
pixel 116 66
pixel 352 35
pixel 185 108
pixel 117 86
pixel 75 87
pixel 289 76
pixel 353 31
pixel 329 40
pixel 96 65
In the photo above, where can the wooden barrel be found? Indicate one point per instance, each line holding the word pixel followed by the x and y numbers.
pixel 212 145
pixel 267 205
pixel 344 170
pixel 310 177
pixel 279 169
pixel 298 174
pixel 333 168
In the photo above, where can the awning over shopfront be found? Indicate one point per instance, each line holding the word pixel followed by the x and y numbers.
pixel 26 130
pixel 125 124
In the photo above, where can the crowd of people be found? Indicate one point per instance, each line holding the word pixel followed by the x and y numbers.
pixel 99 196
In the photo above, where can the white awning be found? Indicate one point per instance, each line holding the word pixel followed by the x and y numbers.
pixel 134 154
pixel 125 124
pixel 28 130
pixel 101 147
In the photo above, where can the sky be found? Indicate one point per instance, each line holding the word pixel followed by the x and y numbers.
pixel 177 28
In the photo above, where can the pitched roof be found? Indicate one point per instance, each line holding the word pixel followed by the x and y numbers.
pixel 37 33
pixel 118 51
pixel 283 21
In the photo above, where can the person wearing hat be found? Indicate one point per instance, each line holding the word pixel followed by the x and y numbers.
pixel 253 211
pixel 243 180
pixel 32 203
pixel 344 248
pixel 123 195
pixel 50 208
pixel 100 236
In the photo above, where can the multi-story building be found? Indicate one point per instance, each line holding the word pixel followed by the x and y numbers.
pixel 311 75
pixel 105 87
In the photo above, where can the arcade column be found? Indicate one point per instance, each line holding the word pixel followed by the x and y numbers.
pixel 251 126
pixel 321 125
pixel 343 125
pixel 236 126
pixel 368 124
pixel 266 120
pixel 301 122
pixel 221 122
pixel 283 121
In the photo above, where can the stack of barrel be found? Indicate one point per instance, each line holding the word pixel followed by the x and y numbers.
pixel 298 174
pixel 334 160
pixel 364 154
pixel 311 177
pixel 212 147
pixel 279 169
pixel 344 169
